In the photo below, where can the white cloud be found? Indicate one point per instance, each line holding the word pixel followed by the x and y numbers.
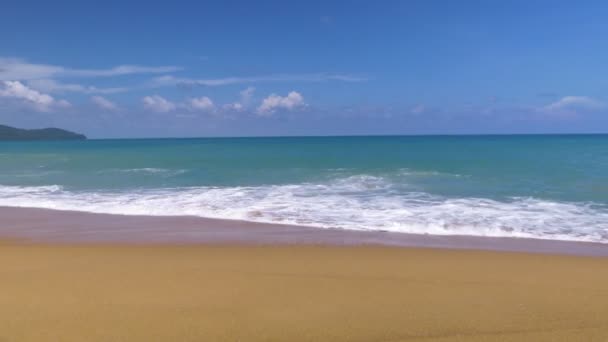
pixel 169 80
pixel 201 103
pixel 39 101
pixel 575 102
pixel 158 104
pixel 166 80
pixel 120 70
pixel 245 100
pixel 52 86
pixel 572 105
pixel 18 69
pixel 104 103
pixel 273 102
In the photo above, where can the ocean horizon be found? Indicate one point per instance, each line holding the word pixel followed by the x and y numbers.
pixel 547 186
pixel 345 136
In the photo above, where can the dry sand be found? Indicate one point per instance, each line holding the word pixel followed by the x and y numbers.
pixel 54 292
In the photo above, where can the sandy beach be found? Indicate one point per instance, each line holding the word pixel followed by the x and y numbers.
pixel 297 293
pixel 86 290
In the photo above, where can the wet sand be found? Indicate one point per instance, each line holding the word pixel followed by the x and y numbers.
pixel 82 277
pixel 42 225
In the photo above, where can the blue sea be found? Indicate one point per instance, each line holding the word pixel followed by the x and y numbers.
pixel 532 186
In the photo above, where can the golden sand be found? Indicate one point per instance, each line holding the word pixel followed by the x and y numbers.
pixel 297 293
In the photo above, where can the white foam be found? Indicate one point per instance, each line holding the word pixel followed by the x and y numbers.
pixel 357 202
pixel 146 170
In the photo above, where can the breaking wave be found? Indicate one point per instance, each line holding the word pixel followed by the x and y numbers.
pixel 360 202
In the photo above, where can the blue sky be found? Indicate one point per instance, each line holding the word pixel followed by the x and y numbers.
pixel 240 68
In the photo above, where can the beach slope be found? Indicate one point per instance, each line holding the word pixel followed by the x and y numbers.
pixel 61 292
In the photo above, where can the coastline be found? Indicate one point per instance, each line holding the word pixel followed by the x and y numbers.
pixel 216 280
pixel 69 227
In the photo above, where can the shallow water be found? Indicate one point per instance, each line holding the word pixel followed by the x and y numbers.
pixel 550 186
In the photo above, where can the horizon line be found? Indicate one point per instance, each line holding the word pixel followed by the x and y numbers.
pixel 353 136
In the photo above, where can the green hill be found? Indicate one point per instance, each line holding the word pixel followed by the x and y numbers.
pixel 12 133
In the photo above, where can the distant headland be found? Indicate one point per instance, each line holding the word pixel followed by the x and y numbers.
pixel 12 133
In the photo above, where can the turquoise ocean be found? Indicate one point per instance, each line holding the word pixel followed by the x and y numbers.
pixel 534 186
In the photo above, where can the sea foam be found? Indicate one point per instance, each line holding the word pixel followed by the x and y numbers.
pixel 360 202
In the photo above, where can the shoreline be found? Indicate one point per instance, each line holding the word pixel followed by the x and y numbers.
pixel 74 276
pixel 74 227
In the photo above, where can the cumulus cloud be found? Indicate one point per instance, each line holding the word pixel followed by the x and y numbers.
pixel 572 105
pixel 158 104
pixel 52 86
pixel 39 101
pixel 18 69
pixel 273 102
pixel 201 103
pixel 104 103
